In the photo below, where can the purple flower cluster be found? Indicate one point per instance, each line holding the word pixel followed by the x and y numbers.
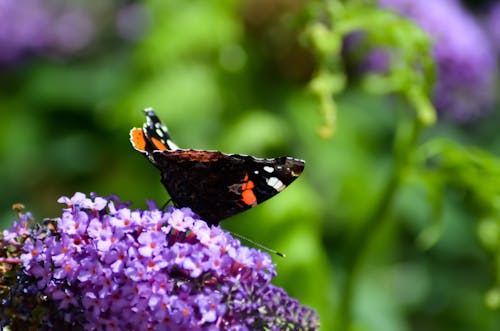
pixel 60 27
pixel 18 229
pixel 464 56
pixel 112 268
pixel 493 25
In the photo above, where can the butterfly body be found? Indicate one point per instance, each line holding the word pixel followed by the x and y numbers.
pixel 213 184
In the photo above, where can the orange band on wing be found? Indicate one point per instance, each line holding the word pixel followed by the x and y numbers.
pixel 158 144
pixel 249 198
pixel 138 139
pixel 247 195
pixel 247 186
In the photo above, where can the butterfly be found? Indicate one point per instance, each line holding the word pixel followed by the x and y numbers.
pixel 214 185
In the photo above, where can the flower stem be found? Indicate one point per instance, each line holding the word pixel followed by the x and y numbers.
pixel 10 260
pixel 404 146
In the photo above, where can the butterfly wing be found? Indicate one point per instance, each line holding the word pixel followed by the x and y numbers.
pixel 217 185
pixel 153 136
pixel 213 184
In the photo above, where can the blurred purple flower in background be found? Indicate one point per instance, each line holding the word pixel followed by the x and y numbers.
pixel 72 31
pixel 64 28
pixel 132 21
pixel 106 267
pixel 23 27
pixel 464 56
pixel 493 26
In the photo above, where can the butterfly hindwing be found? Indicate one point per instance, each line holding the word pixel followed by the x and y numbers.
pixel 217 185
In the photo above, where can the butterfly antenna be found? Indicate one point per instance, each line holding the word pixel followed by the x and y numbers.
pixel 270 250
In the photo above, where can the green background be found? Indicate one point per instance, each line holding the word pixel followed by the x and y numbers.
pixel 419 248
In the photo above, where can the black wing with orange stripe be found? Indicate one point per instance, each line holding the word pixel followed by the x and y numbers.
pixel 214 185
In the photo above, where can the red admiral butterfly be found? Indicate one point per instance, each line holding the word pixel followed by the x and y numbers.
pixel 213 184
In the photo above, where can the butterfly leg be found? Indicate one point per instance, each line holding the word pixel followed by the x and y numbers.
pixel 165 205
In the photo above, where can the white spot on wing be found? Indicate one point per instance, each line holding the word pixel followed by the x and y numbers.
pixel 159 132
pixel 276 184
pixel 171 145
pixel 269 169
pixel 256 172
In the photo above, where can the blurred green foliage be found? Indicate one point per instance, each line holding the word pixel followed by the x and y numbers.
pixel 394 225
